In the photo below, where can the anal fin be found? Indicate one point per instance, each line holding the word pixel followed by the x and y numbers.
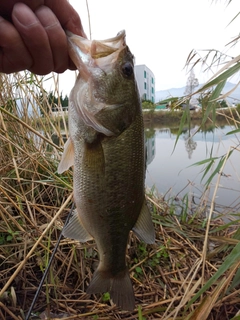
pixel 75 229
pixel 144 228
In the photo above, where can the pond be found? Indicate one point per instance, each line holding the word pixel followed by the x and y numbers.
pixel 171 171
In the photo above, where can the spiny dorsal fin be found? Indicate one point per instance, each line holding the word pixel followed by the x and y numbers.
pixel 144 227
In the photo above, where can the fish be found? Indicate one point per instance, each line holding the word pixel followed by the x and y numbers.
pixel 106 149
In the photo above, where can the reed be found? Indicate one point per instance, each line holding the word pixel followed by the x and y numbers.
pixel 191 272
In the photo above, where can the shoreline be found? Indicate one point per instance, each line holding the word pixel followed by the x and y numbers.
pixel 174 117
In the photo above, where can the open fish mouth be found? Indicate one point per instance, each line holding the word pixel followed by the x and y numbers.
pixel 87 54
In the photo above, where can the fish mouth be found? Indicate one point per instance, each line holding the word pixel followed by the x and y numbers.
pixel 87 54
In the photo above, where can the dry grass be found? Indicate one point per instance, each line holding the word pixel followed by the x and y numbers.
pixel 34 203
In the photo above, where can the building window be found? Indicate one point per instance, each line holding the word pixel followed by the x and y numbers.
pixel 145 85
pixel 152 90
pixel 152 80
pixel 145 74
pixel 145 96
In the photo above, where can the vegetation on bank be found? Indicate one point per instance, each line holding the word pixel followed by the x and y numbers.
pixel 190 273
pixel 175 116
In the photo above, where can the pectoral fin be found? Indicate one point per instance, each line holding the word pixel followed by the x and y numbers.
pixel 144 227
pixel 75 229
pixel 67 158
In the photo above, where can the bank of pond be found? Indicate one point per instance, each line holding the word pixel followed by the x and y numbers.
pixel 169 116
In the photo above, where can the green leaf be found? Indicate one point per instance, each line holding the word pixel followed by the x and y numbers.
pixel 185 201
pixel 211 105
pixel 217 91
pixel 139 270
pixel 226 226
pixel 222 77
pixel 208 167
pixel 209 161
pixel 215 172
pixel 235 281
pixel 233 132
pixel 106 297
pixel 219 166
pixel 9 237
pixel 232 258
pixel 182 123
pixel 235 318
pixel 199 163
pixel 140 316
pixel 237 233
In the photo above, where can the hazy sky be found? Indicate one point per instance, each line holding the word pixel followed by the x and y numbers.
pixel 160 33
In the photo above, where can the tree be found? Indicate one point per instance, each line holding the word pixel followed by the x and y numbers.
pixel 148 104
pixel 192 83
pixel 49 102
pixel 223 104
pixel 64 102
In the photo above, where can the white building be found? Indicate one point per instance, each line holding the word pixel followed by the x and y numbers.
pixel 146 82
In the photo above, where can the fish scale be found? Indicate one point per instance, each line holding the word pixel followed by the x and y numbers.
pixel 106 149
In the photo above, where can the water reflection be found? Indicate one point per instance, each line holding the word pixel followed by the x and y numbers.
pixel 190 144
pixel 150 144
pixel 174 169
pixel 171 169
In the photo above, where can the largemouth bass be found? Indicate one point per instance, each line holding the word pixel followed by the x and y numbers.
pixel 106 149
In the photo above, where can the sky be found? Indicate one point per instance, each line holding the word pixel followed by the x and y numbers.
pixel 161 34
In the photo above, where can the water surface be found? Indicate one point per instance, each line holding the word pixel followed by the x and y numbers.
pixel 172 171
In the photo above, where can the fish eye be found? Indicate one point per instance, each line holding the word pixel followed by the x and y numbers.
pixel 127 69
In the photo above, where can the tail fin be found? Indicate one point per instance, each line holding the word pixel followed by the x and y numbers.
pixel 119 287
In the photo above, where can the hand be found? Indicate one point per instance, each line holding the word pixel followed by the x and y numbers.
pixel 32 35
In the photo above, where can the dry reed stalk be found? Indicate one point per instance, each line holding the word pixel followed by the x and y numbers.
pixel 33 201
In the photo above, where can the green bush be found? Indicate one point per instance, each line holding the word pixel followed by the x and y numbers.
pixel 148 104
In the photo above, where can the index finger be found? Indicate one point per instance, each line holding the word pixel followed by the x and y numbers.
pixel 67 16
